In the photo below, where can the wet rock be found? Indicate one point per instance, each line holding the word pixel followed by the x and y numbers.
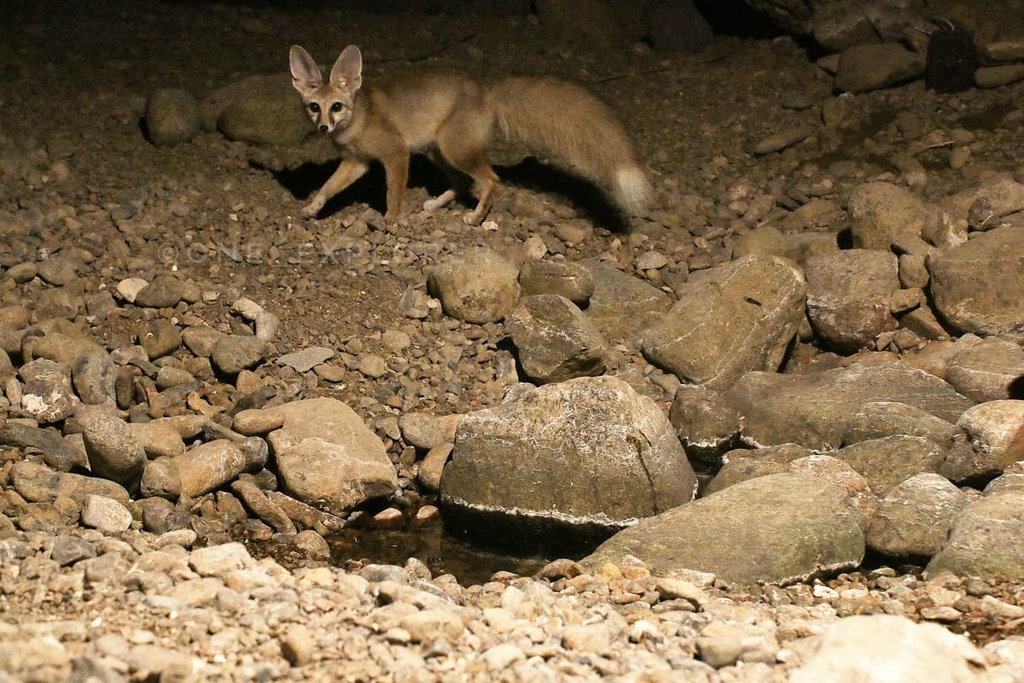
pixel 623 461
pixel 863 68
pixel 729 320
pixel 105 514
pixel 813 409
pixel 888 461
pixel 986 371
pixel 478 287
pixel 570 280
pixel 555 340
pixel 48 397
pixel 900 650
pixel 114 452
pixel 327 457
pixel 263 110
pixel 986 539
pixel 94 378
pixel 172 117
pixel 848 296
pixel 976 285
pixel 208 466
pixel 913 520
pixel 622 305
pixel 812 527
pixel 233 353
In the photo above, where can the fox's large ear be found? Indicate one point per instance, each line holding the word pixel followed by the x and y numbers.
pixel 348 69
pixel 306 75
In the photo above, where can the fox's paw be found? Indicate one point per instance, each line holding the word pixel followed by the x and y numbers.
pixel 442 200
pixel 313 208
pixel 473 218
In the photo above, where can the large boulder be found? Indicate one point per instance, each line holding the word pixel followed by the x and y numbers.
pixel 815 408
pixel 976 286
pixel 986 539
pixel 729 320
pixel 263 110
pixel 588 451
pixel 779 528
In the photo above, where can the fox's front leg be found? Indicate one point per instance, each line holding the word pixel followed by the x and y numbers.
pixel 349 171
pixel 396 168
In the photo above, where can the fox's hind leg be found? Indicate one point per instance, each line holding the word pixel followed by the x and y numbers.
pixel 462 142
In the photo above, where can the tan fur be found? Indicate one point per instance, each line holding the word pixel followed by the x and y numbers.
pixel 451 117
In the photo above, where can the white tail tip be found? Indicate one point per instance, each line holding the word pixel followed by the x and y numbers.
pixel 632 190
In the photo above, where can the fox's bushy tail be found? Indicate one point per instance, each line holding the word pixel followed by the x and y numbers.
pixel 570 123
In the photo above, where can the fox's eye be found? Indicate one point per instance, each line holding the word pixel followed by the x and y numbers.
pixel 336 106
pixel 314 107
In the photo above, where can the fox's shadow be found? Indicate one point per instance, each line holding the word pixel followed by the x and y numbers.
pixel 530 174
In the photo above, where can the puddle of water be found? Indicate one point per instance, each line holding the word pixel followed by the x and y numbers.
pixel 442 552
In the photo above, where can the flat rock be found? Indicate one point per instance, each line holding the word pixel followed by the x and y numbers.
pixel 888 461
pixel 567 279
pixel 327 457
pixel 985 371
pixel 814 409
pixel 622 305
pixel 778 528
pixel 729 320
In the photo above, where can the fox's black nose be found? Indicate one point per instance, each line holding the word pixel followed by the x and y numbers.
pixel 323 129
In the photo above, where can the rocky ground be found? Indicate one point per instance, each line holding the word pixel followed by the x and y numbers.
pixel 176 337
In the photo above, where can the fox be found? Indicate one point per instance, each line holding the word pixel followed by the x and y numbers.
pixel 453 119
